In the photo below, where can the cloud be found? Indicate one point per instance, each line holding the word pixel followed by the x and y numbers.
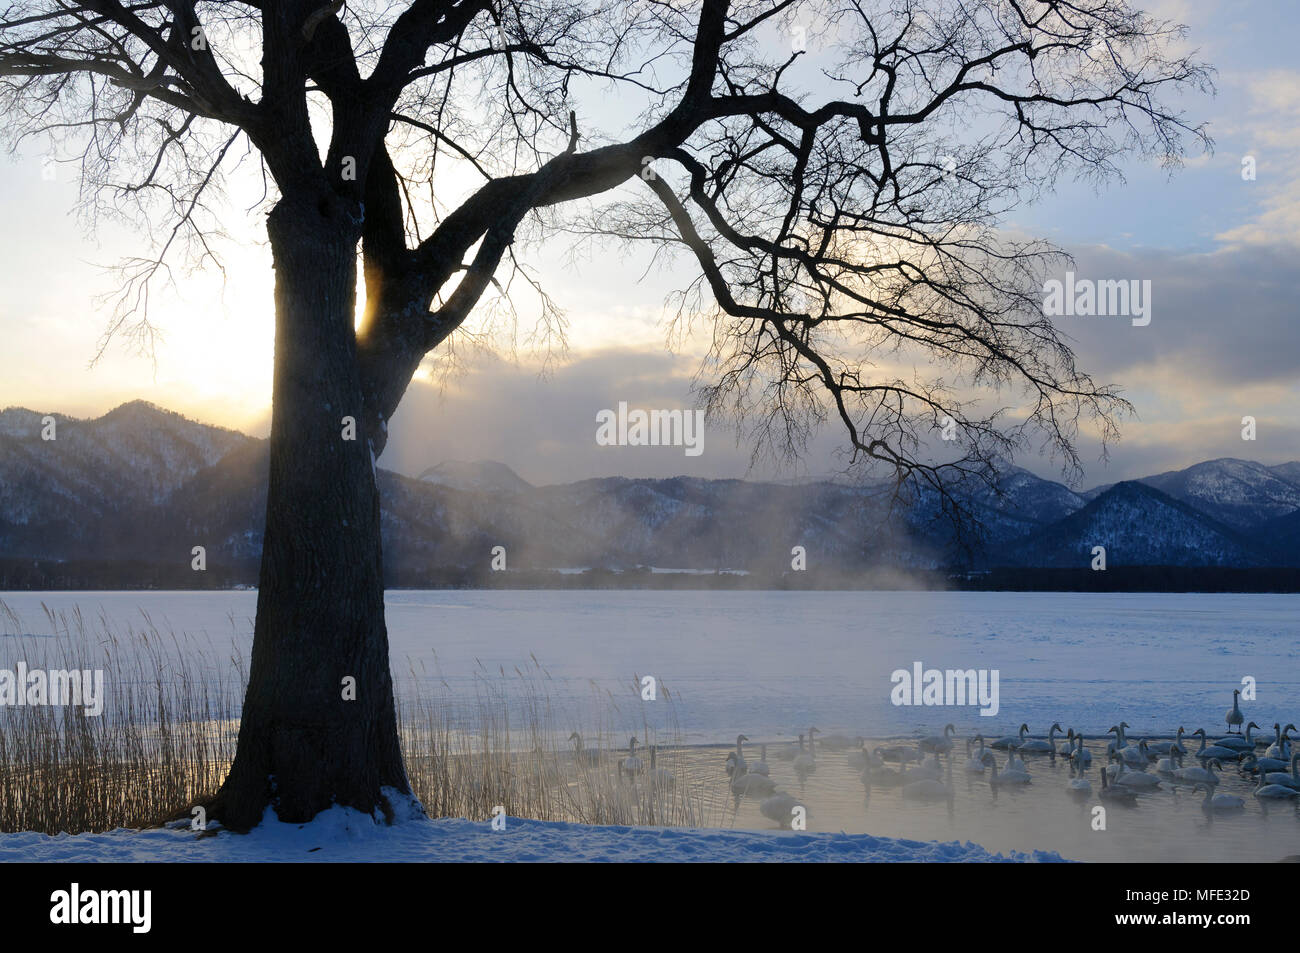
pixel 1223 343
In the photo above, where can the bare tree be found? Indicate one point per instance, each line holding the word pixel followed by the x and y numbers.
pixel 831 218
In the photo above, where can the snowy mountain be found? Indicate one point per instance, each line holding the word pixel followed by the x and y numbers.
pixel 1139 526
pixel 1239 493
pixel 85 491
pixel 144 484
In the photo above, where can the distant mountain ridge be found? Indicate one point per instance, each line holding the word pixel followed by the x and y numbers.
pixel 142 483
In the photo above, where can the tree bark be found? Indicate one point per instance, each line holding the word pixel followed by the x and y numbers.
pixel 303 744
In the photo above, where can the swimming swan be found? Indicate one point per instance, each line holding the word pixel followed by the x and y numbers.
pixel 1219 802
pixel 941 744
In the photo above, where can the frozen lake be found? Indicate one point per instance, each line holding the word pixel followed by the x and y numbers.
pixel 771 663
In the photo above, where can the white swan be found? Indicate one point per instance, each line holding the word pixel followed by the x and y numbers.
pixel 659 778
pixel 1239 742
pixel 1235 717
pixel 979 761
pixel 900 754
pixel 1199 774
pixel 928 769
pixel 1009 741
pixel 1273 790
pixel 1081 757
pixel 1014 763
pixel 1038 745
pixel 1167 766
pixel 761 767
pixel 1079 786
pixel 584 755
pixel 1135 756
pixel 939 743
pixel 1281 748
pixel 857 760
pixel 1120 742
pixel 882 776
pixel 1138 780
pixel 1166 747
pixel 744 784
pixel 1110 792
pixel 1010 775
pixel 1067 749
pixel 1219 802
pixel 780 807
pixel 805 762
pixel 927 789
pixel 741 764
pixel 1290 780
pixel 1253 764
pixel 1214 751
pixel 632 764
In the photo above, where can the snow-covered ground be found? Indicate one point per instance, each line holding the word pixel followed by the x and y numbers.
pixel 342 834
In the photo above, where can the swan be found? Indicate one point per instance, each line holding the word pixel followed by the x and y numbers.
pixel 584 755
pixel 1067 749
pixel 1200 774
pixel 1290 780
pixel 1081 757
pixel 1009 776
pixel 857 760
pixel 1277 735
pixel 805 762
pixel 1239 742
pixel 900 754
pixel 1235 717
pixel 928 769
pixel 660 778
pixel 1165 747
pixel 741 764
pixel 882 777
pixel 939 743
pixel 1135 756
pixel 1079 787
pixel 927 789
pixel 1138 780
pixel 1014 763
pixel 632 764
pixel 744 784
pixel 982 757
pixel 1010 741
pixel 1273 790
pixel 1120 741
pixel 1038 745
pixel 1110 792
pixel 1281 748
pixel 1214 751
pixel 779 807
pixel 1252 764
pixel 1219 802
pixel 761 767
pixel 1167 766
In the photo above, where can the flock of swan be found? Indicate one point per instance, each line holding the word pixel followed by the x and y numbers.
pixel 923 770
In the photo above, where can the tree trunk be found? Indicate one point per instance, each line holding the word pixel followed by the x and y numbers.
pixel 305 741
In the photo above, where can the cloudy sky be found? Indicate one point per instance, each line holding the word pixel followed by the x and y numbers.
pixel 1221 253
